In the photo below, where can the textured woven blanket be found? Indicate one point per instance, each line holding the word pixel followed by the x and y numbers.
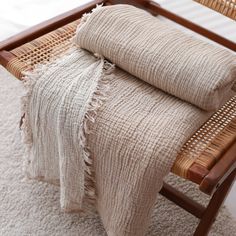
pixel 62 99
pixel 104 136
pixel 182 65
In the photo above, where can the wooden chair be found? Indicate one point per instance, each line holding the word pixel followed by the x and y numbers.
pixel 208 158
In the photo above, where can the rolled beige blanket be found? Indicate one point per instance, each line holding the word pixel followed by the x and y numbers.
pixel 182 65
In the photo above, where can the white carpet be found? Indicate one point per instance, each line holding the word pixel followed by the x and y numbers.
pixel 32 208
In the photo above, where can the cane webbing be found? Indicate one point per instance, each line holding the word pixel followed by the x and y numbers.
pixel 209 142
pixel 204 147
pixel 41 50
pixel 225 7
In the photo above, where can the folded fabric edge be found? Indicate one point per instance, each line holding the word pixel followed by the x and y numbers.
pixel 97 99
pixel 84 19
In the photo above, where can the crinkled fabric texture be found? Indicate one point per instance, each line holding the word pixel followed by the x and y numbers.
pixel 55 125
pixel 133 141
pixel 182 65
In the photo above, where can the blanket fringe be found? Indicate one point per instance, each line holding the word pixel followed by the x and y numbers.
pixel 29 79
pixel 97 99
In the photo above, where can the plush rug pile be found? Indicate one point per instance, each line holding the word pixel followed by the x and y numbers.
pixel 32 208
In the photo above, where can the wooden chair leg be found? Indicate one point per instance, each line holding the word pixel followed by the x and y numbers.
pixel 214 205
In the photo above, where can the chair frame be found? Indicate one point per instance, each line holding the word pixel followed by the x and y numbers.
pixel 215 182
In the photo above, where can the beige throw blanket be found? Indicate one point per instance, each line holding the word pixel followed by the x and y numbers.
pixel 105 136
pixel 114 155
pixel 178 63
pixel 62 99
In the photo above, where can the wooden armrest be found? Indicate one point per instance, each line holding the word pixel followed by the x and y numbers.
pixel 219 173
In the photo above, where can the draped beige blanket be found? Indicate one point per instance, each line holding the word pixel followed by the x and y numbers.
pixel 107 137
pixel 62 99
pixel 121 159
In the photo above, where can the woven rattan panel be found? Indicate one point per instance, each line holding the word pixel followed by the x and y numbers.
pixel 208 144
pixel 41 50
pixel 204 147
pixel 225 7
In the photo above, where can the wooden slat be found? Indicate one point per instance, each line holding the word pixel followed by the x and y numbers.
pixel 196 173
pixel 214 205
pixel 182 200
pixel 223 168
pixel 5 57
